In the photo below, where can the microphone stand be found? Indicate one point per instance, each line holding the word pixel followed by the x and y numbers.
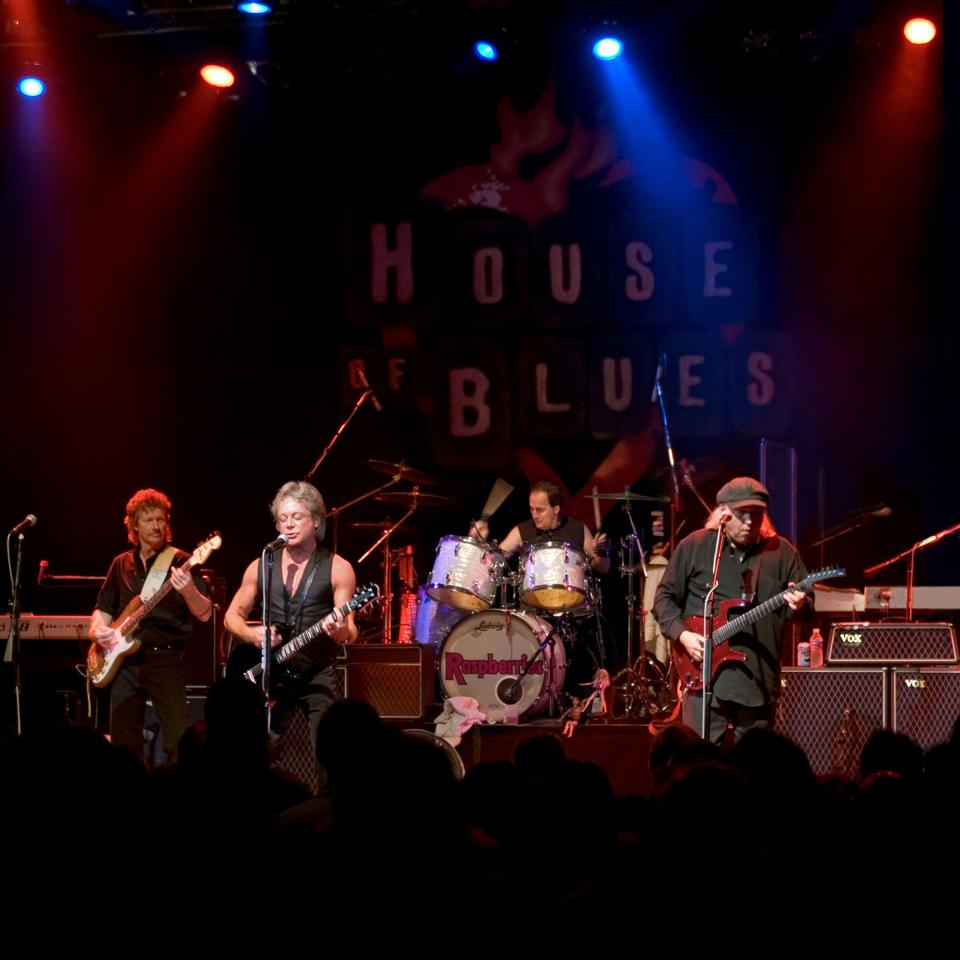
pixel 266 657
pixel 14 645
pixel 366 395
pixel 911 553
pixel 676 507
pixel 707 663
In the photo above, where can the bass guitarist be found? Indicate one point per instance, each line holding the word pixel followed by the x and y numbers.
pixel 156 669
pixel 308 582
pixel 755 566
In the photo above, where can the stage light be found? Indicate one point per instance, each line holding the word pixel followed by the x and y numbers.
pixel 254 8
pixel 485 50
pixel 31 87
pixel 217 76
pixel 919 30
pixel 609 48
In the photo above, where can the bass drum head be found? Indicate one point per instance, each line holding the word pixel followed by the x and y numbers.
pixel 487 650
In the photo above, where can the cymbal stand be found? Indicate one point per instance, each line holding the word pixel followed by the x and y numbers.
pixel 387 605
pixel 636 694
pixel 334 512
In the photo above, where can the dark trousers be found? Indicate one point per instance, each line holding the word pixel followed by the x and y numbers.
pixel 723 714
pixel 314 694
pixel 157 675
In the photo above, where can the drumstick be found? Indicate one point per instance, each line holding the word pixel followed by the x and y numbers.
pixel 596 510
pixel 501 490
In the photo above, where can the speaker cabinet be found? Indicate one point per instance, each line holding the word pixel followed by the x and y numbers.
pixel 397 680
pixel 926 703
pixel 892 643
pixel 830 713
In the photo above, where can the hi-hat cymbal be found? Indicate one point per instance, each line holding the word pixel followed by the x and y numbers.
pixel 403 471
pixel 628 495
pixel 410 498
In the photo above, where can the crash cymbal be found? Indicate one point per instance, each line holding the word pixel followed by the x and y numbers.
pixel 405 472
pixel 372 524
pixel 627 495
pixel 412 498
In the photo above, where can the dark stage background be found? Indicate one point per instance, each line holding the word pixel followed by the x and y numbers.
pixel 174 283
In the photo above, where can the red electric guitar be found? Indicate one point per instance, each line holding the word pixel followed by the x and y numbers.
pixel 732 619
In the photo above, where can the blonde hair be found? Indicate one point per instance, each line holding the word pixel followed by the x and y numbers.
pixel 309 496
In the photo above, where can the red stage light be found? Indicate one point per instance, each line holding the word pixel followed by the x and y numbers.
pixel 919 30
pixel 217 76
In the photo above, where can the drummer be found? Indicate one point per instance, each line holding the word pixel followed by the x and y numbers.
pixel 547 524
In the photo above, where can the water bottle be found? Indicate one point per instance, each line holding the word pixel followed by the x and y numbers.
pixel 816 648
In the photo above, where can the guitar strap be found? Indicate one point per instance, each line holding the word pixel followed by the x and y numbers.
pixel 304 590
pixel 158 573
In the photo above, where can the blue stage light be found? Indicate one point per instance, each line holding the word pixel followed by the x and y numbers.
pixel 609 48
pixel 32 87
pixel 254 8
pixel 486 51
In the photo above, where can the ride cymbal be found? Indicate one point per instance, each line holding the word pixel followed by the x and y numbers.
pixel 403 471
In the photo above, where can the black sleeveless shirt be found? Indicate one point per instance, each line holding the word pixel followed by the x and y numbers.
pixel 570 531
pixel 305 608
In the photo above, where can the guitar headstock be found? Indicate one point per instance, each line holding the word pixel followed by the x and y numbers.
pixel 364 596
pixel 826 573
pixel 203 551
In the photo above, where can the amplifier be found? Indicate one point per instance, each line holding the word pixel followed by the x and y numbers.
pixel 926 704
pixel 893 643
pixel 831 713
pixel 397 680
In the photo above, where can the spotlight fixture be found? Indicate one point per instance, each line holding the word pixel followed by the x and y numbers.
pixel 484 50
pixel 217 76
pixel 608 48
pixel 31 87
pixel 254 8
pixel 919 30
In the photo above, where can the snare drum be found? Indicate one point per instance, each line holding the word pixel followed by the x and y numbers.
pixel 553 576
pixel 488 648
pixel 464 573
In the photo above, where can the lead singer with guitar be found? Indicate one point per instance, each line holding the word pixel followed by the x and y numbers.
pixel 309 583
pixel 755 566
pixel 156 668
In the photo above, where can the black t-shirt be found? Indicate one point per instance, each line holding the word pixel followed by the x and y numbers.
pixel 170 622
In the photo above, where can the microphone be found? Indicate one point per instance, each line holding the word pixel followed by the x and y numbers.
pixel 377 405
pixel 281 541
pixel 661 363
pixel 28 521
pixel 509 690
pixel 42 575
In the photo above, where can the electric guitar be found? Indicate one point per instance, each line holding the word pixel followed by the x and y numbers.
pixel 246 652
pixel 727 623
pixel 103 663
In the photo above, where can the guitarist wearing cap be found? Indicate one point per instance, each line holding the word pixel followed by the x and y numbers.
pixel 756 565
pixel 308 583
pixel 155 666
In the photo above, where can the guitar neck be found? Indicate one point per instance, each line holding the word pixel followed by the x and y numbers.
pixel 735 626
pixel 133 621
pixel 294 646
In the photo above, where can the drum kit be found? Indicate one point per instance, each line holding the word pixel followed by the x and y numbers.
pixel 509 634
